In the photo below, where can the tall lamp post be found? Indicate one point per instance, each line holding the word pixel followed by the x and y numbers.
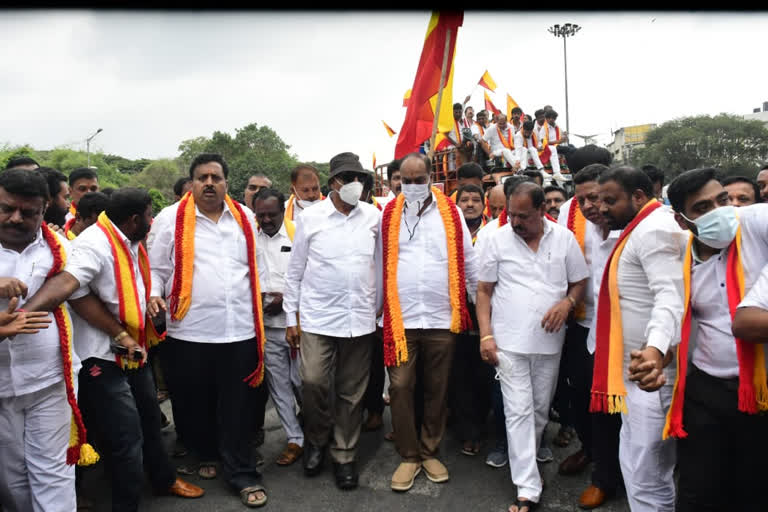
pixel 88 145
pixel 565 31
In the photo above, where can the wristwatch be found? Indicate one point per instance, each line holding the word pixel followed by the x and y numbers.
pixel 573 301
pixel 120 335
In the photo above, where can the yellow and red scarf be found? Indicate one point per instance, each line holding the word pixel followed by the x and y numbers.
pixel 67 228
pixel 395 346
pixel 608 391
pixel 132 317
pixel 78 450
pixel 184 254
pixel 577 223
pixel 753 388
pixel 545 152
pixel 509 142
pixel 73 209
pixel 481 128
pixel 482 225
pixel 376 203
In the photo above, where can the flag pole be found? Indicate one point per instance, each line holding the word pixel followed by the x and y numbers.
pixel 440 93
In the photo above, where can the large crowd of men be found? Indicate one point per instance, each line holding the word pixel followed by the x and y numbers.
pixel 633 313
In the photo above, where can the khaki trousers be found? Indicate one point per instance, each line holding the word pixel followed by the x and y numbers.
pixel 347 361
pixel 435 347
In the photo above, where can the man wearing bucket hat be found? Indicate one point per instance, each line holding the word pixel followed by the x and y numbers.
pixel 331 283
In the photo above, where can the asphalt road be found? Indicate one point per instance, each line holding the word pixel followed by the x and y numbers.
pixel 473 486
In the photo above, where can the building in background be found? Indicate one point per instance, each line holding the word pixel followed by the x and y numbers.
pixel 758 115
pixel 628 139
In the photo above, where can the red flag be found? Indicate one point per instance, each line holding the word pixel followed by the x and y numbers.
pixel 420 115
pixel 489 106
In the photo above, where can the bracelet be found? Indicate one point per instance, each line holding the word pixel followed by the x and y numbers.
pixel 19 310
pixel 573 301
pixel 121 335
pixel 486 337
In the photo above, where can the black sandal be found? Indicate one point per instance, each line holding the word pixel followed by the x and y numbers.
pixel 529 505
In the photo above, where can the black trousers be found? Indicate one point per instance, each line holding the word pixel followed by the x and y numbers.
pixel 121 408
pixel 598 432
pixel 722 460
pixel 164 354
pixel 216 406
pixel 471 394
pixel 372 400
pixel 571 363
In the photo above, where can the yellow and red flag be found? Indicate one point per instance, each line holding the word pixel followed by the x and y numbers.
pixel 489 106
pixel 487 82
pixel 422 105
pixel 407 97
pixel 390 131
pixel 510 105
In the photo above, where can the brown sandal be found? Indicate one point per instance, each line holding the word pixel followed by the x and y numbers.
pixel 207 470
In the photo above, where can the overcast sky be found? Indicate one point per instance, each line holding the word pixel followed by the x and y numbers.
pixel 325 81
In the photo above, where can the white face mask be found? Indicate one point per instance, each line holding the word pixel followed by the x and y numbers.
pixel 303 203
pixel 716 228
pixel 350 192
pixel 415 194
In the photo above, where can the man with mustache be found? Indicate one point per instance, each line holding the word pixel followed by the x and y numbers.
pixel 534 268
pixel 205 264
pixel 554 197
pixel 117 397
pixel 274 241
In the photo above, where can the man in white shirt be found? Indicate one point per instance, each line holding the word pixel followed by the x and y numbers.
pixel 425 316
pixel 528 147
pixel 650 286
pixel 255 183
pixel 548 136
pixel 119 405
pixel 331 284
pixel 81 181
pixel 34 414
pixel 598 432
pixel 751 320
pixel 469 117
pixel 501 139
pixel 213 342
pixel 722 456
pixel 273 242
pixel 532 275
pixel 305 191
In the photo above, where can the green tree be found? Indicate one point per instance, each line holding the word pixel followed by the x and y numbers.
pixel 158 200
pixel 125 165
pixel 730 143
pixel 253 150
pixel 7 152
pixel 159 175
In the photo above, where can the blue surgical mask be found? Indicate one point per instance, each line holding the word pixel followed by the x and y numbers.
pixel 716 228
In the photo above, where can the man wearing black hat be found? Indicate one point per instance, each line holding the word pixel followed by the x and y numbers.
pixel 331 283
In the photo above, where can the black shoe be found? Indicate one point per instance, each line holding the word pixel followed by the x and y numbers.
pixel 346 475
pixel 313 459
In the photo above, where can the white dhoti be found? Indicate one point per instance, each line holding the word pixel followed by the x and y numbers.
pixel 284 381
pixel 647 462
pixel 34 434
pixel 528 384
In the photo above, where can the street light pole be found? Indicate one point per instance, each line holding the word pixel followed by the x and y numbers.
pixel 567 30
pixel 88 145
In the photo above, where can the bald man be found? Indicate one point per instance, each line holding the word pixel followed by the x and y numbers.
pixel 496 200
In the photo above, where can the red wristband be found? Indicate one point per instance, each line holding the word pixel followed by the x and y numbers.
pixel 21 310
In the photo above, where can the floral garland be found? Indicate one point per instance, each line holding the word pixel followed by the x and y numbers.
pixel 131 316
pixel 68 227
pixel 509 143
pixel 395 345
pixel 184 256
pixel 72 209
pixel 78 450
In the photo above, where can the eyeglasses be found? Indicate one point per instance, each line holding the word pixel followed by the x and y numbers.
pixel 349 177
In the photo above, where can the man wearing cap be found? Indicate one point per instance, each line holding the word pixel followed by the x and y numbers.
pixel 331 283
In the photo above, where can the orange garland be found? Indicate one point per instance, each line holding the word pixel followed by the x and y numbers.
pixel 510 142
pixel 78 450
pixel 395 345
pixel 184 255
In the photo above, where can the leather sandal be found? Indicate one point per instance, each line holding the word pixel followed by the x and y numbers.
pixel 291 453
pixel 207 475
pixel 249 491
